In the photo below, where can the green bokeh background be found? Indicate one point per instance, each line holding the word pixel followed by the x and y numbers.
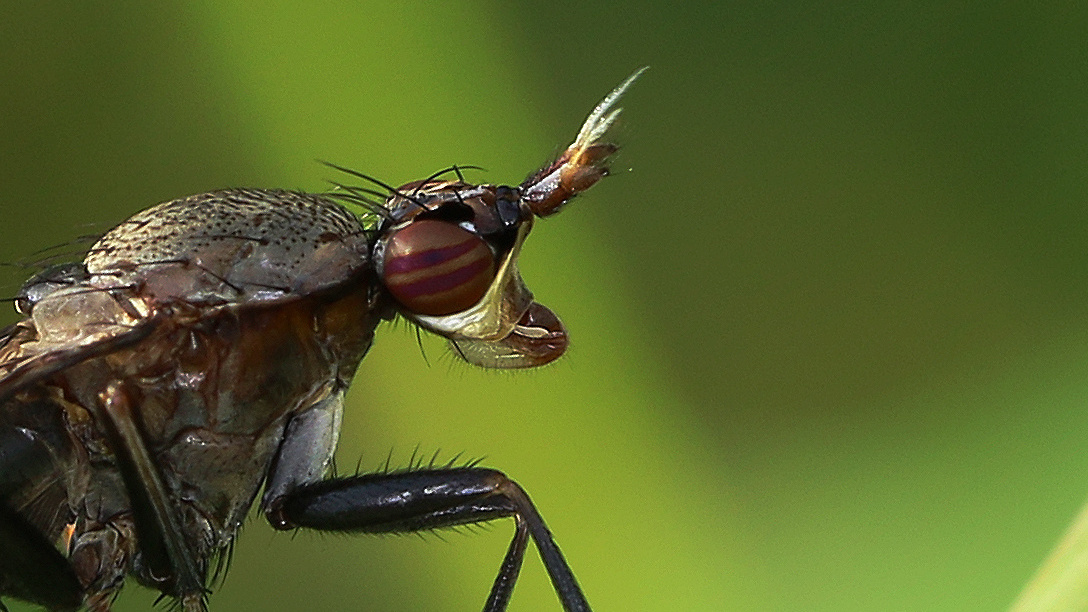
pixel 830 333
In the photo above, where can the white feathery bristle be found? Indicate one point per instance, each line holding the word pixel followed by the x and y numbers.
pixel 603 115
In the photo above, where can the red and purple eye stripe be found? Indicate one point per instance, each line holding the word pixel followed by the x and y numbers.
pixel 412 261
pixel 437 268
pixel 424 276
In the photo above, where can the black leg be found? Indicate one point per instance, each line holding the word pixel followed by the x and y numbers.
pixel 511 566
pixel 31 568
pixel 431 499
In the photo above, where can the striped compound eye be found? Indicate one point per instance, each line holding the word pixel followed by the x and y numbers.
pixel 437 268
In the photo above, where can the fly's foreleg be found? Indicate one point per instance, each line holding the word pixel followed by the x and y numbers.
pixel 420 500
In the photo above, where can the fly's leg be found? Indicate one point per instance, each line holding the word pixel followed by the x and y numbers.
pixel 31 567
pixel 431 499
pixel 418 500
pixel 157 523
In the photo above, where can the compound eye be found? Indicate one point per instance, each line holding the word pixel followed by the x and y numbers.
pixel 437 268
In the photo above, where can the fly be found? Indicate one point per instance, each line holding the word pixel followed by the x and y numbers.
pixel 201 351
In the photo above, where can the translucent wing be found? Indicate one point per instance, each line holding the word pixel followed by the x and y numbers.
pixel 66 328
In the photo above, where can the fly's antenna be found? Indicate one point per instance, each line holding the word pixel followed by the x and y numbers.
pixel 582 164
pixel 602 117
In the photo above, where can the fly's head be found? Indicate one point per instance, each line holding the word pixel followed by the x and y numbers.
pixel 447 252
pixel 448 258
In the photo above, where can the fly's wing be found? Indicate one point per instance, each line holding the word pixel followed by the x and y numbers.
pixel 64 330
pixel 67 328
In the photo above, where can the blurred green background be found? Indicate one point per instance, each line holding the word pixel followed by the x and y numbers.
pixel 830 333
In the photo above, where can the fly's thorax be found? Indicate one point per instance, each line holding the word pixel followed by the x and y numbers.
pixel 234 246
pixel 221 312
pixel 218 316
pixel 214 388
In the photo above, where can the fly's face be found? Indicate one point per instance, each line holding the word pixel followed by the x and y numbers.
pixel 449 259
pixel 448 251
